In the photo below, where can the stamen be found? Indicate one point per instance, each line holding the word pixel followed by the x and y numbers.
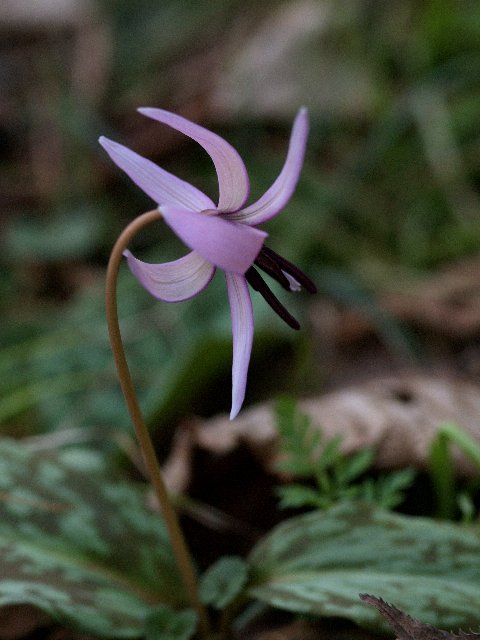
pixel 267 264
pixel 256 281
pixel 289 268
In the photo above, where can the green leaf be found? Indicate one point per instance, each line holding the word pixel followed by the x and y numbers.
pixel 294 496
pixel 298 439
pixel 442 469
pixel 164 623
pixel 349 469
pixel 334 472
pixel 442 473
pixel 330 453
pixel 223 581
pixel 319 562
pixel 387 490
pixel 81 544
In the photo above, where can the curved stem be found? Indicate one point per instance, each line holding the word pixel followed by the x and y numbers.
pixel 180 550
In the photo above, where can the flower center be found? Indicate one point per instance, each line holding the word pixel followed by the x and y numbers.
pixel 285 273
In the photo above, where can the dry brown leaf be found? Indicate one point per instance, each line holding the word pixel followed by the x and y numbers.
pixel 448 301
pixel 408 628
pixel 398 416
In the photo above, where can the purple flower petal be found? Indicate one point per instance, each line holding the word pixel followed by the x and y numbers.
pixel 242 330
pixel 228 245
pixel 233 181
pixel 277 196
pixel 173 281
pixel 161 186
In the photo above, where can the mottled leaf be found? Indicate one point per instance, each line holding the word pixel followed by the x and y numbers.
pixel 223 581
pixel 79 543
pixel 408 628
pixel 318 563
pixel 164 623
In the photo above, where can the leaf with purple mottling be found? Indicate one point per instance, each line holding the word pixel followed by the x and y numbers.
pixel 319 562
pixel 81 544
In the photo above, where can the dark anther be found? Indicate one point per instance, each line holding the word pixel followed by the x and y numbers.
pixel 285 273
pixel 256 281
pixel 270 266
pixel 287 267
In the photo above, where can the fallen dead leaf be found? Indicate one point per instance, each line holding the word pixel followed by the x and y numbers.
pixel 408 628
pixel 446 302
pixel 398 416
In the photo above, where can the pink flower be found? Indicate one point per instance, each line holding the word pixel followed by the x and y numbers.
pixel 223 235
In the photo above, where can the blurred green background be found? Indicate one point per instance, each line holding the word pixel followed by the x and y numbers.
pixel 389 193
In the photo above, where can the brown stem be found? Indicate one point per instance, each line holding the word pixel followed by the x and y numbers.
pixel 180 549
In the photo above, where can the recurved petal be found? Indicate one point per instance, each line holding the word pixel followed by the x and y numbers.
pixel 162 186
pixel 232 175
pixel 173 281
pixel 229 245
pixel 242 330
pixel 277 196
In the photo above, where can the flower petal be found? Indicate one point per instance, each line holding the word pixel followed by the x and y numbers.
pixel 173 281
pixel 242 330
pixel 232 175
pixel 277 196
pixel 160 185
pixel 228 245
